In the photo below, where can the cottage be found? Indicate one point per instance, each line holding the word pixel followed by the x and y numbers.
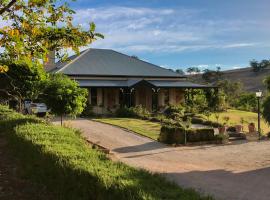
pixel 115 79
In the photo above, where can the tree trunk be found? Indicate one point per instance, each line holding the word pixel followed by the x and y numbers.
pixel 61 120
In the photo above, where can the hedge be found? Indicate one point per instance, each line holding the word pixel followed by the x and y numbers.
pixel 176 135
pixel 61 160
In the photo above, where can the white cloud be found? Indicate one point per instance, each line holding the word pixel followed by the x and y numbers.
pixel 161 30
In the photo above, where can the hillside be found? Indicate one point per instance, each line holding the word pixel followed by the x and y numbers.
pixel 251 81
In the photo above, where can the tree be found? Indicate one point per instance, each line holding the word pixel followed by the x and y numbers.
pixel 21 81
pixel 266 103
pixel 259 66
pixel 38 26
pixel 193 70
pixel 64 96
pixel 211 76
pixel 266 109
pixel 180 71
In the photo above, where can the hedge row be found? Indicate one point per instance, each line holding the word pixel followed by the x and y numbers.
pixel 176 135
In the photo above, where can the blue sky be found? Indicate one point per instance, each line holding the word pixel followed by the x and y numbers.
pixel 182 33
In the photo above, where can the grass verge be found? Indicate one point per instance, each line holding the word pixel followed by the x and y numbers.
pixel 62 161
pixel 142 127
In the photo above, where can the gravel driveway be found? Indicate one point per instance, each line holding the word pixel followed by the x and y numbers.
pixel 231 172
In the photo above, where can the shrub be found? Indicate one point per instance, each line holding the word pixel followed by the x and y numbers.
pixel 88 111
pixel 216 124
pixel 172 135
pixel 231 129
pixel 137 112
pixel 174 111
pixel 200 135
pixel 196 120
pixel 207 123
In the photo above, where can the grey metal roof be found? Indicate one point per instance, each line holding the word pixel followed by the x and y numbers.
pixel 106 62
pixel 133 82
pixel 178 84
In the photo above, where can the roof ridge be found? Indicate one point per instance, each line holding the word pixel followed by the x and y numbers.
pixel 72 61
pixel 149 63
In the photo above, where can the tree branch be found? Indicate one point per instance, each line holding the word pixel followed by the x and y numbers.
pixel 5 8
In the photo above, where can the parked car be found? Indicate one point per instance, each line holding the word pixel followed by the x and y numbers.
pixel 39 109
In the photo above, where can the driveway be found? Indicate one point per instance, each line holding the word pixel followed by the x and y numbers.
pixel 231 172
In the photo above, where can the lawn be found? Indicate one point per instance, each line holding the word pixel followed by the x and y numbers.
pixel 235 118
pixel 60 160
pixel 142 127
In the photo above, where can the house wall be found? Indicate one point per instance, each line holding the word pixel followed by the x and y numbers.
pixel 108 98
pixel 143 96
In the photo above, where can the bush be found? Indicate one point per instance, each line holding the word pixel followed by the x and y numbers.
pixel 136 112
pixel 196 120
pixel 88 111
pixel 61 160
pixel 231 129
pixel 207 123
pixel 174 112
pixel 171 134
pixel 200 135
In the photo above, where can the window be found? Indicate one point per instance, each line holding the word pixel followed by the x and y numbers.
pixel 93 92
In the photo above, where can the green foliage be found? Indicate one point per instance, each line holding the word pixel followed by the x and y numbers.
pixel 193 70
pixel 37 26
pixel 259 66
pixel 88 111
pixel 226 119
pixel 62 161
pixel 137 112
pixel 266 109
pixel 246 101
pixel 175 111
pixel 171 134
pixel 180 71
pixel 212 76
pixel 215 99
pixel 22 80
pixel 64 96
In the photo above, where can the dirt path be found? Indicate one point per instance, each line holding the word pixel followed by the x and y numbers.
pixel 230 172
pixel 12 185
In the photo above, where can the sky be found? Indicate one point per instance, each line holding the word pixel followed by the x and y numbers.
pixel 181 33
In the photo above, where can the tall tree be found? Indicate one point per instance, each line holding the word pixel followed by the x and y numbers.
pixel 35 27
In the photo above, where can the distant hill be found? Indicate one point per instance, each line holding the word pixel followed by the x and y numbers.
pixel 252 81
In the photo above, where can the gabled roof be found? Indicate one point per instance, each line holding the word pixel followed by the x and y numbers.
pixel 105 62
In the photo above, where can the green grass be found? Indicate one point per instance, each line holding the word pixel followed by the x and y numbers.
pixel 235 118
pixel 61 160
pixel 142 127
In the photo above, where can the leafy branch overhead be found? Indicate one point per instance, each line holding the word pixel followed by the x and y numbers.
pixel 36 27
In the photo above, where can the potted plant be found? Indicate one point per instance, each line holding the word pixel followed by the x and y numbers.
pixel 252 135
pixel 238 128
pixel 222 129
pixel 251 127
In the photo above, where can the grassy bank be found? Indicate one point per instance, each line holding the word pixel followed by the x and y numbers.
pixel 61 160
pixel 142 127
